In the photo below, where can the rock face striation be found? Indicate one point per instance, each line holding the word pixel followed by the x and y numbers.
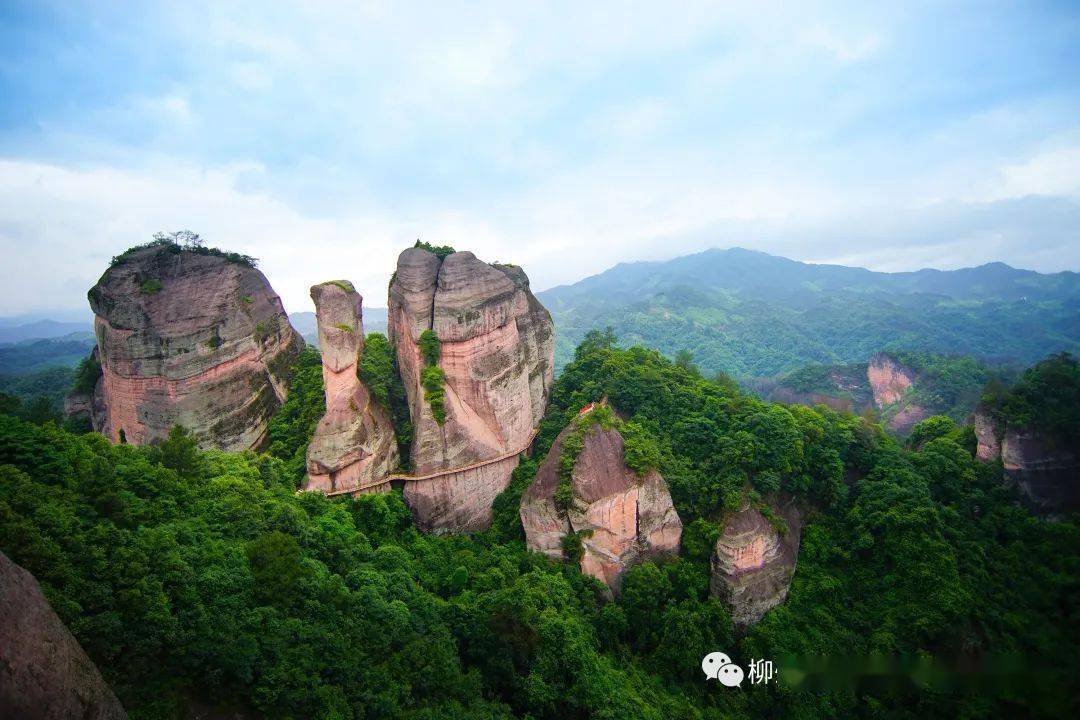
pixel 192 339
pixel 496 350
pixel 44 673
pixel 1047 474
pixel 753 562
pixel 620 518
pixel 890 382
pixel 988 432
pixel 354 444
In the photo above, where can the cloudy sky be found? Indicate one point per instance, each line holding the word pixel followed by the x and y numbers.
pixel 323 137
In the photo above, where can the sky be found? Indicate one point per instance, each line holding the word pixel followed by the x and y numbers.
pixel 325 137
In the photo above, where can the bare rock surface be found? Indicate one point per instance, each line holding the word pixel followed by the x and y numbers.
pixel 190 339
pixel 890 382
pixel 753 562
pixel 497 353
pixel 622 518
pixel 1046 473
pixel 988 434
pixel 354 443
pixel 44 672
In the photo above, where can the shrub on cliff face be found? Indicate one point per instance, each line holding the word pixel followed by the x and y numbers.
pixel 432 378
pixel 429 347
pixel 184 241
pixel 86 375
pixel 641 453
pixel 440 250
pixel 152 286
pixel 378 370
pixel 293 425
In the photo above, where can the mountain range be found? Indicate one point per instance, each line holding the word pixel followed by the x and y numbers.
pixel 752 314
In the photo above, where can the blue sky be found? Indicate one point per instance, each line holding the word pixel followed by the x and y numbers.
pixel 564 137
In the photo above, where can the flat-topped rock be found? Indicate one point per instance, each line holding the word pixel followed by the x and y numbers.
pixel 192 339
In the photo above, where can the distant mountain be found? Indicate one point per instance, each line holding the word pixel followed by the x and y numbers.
pixel 752 314
pixel 899 388
pixel 30 356
pixel 304 322
pixel 39 329
pixel 43 367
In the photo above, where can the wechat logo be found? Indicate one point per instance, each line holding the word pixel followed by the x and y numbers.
pixel 718 666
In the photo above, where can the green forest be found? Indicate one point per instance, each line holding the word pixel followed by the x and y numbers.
pixel 951 385
pixel 755 315
pixel 205 575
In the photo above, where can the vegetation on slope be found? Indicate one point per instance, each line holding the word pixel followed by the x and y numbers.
pixel 432 377
pixel 1045 399
pixel 203 574
pixel 31 356
pixel 293 425
pixel 441 250
pixel 948 385
pixel 378 370
pixel 183 241
pixel 754 315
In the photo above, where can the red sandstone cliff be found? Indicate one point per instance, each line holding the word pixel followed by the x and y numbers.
pixel 753 562
pixel 621 518
pixel 44 673
pixel 190 339
pixel 1046 473
pixel 497 352
pixel 890 382
pixel 354 442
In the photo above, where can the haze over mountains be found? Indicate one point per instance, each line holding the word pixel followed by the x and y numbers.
pixel 753 314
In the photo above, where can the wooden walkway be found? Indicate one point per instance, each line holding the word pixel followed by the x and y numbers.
pixel 438 474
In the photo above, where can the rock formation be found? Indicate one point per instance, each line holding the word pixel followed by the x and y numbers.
pixel 753 562
pixel 44 673
pixel 620 518
pixel 1047 474
pixel 189 338
pixel 890 381
pixel 988 434
pixel 496 349
pixel 354 443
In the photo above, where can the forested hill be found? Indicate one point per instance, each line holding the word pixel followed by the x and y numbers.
pixel 752 314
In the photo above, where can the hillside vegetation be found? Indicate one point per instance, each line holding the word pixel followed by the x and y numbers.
pixel 943 384
pixel 753 315
pixel 189 574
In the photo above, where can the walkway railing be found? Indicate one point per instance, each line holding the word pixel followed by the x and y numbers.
pixel 439 473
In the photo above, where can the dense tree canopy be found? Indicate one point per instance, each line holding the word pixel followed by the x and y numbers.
pixel 189 574
pixel 1045 399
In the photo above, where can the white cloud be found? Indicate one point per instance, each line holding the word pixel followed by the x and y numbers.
pixel 324 137
pixel 251 76
pixel 846 48
pixel 1052 172
pixel 62 225
pixel 171 108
